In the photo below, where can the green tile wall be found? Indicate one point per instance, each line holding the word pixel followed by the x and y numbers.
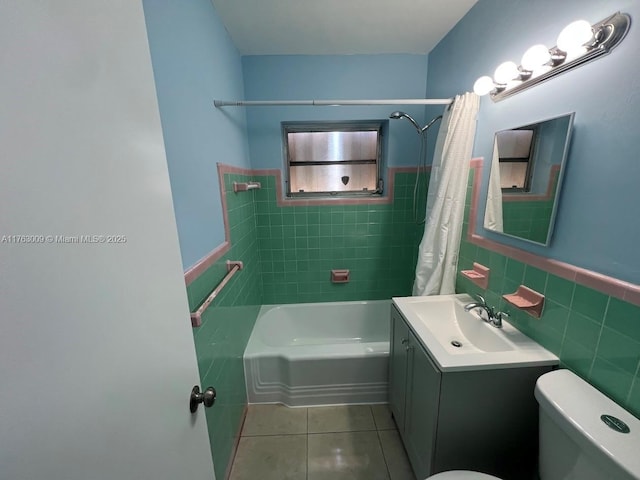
pixel 288 253
pixel 300 245
pixel 227 325
pixel 528 219
pixel 595 335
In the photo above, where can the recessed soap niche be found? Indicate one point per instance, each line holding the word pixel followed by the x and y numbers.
pixel 479 275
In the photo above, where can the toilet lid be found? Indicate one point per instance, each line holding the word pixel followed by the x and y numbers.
pixel 462 475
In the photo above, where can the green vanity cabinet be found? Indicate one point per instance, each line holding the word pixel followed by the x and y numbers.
pixel 414 393
pixel 421 408
pixel 398 367
pixel 482 420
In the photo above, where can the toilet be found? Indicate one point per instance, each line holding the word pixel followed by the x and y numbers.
pixel 583 434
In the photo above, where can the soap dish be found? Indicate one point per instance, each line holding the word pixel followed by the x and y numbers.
pixel 340 276
pixel 479 275
pixel 526 299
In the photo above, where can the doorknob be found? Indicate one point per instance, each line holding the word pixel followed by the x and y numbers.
pixel 208 397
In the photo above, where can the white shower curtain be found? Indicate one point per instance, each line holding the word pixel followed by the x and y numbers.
pixel 493 213
pixel 438 253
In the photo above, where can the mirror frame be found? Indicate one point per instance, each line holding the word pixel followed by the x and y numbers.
pixel 562 163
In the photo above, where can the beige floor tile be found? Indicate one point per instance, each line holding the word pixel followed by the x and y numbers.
pixel 382 417
pixel 346 456
pixel 344 418
pixel 280 457
pixel 395 455
pixel 274 420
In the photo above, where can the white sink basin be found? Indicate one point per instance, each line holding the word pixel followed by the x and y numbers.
pixel 459 340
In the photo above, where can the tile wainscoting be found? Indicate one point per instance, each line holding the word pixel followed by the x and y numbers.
pixel 289 248
pixel 592 322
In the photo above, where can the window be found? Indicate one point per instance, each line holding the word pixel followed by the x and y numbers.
pixel 515 149
pixel 333 159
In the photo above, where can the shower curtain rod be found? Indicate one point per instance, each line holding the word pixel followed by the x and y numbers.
pixel 331 103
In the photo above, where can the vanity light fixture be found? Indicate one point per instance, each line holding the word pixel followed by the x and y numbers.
pixel 578 43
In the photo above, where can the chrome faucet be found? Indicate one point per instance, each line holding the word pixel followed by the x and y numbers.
pixel 482 304
pixel 496 321
pixel 493 317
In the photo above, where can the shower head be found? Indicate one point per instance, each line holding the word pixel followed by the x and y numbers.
pixel 396 115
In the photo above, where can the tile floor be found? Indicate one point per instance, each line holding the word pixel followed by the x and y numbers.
pixel 343 442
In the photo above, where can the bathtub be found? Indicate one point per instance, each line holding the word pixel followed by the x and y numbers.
pixel 319 354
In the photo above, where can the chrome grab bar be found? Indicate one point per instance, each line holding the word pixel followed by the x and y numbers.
pixel 232 268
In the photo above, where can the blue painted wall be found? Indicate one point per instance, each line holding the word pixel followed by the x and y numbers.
pixel 329 77
pixel 195 62
pixel 597 225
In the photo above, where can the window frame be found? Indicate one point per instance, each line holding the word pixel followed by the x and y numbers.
pixel 334 126
pixel 526 188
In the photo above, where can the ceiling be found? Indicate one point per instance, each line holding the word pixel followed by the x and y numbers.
pixel 339 27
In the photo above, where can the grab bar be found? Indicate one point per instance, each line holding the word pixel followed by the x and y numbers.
pixel 232 268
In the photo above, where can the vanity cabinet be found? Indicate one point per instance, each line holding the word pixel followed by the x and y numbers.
pixel 482 420
pixel 414 393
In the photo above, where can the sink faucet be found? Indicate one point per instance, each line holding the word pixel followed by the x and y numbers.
pixel 496 321
pixel 482 304
pixel 493 317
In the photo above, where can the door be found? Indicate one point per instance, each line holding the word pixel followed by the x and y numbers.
pixel 398 368
pixel 96 352
pixel 421 417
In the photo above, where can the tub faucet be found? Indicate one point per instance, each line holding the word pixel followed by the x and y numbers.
pixel 493 317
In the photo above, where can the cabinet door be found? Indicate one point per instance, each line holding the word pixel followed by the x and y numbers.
pixel 421 417
pixel 398 367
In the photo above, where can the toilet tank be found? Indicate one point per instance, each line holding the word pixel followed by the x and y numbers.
pixel 575 442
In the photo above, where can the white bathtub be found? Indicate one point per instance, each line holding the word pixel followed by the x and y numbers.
pixel 319 354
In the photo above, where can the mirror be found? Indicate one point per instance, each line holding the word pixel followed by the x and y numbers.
pixel 526 177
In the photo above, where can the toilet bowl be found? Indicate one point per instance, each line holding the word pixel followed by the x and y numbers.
pixel 462 475
pixel 583 434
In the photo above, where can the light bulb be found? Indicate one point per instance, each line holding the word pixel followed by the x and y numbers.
pixel 506 71
pixel 575 35
pixel 483 85
pixel 535 57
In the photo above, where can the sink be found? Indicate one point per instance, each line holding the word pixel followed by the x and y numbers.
pixel 460 340
pixel 448 322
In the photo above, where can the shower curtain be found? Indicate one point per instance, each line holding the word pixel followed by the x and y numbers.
pixel 493 213
pixel 438 252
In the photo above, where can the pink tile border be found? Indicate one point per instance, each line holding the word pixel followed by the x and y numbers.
pixel 283 201
pixel 205 262
pixel 627 291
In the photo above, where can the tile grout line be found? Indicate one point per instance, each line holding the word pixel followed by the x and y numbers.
pixel 627 402
pixel 333 432
pixel 595 351
pixel 384 457
pixel 376 428
pixel 375 424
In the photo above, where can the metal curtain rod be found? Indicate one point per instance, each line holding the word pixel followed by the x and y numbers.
pixel 331 103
